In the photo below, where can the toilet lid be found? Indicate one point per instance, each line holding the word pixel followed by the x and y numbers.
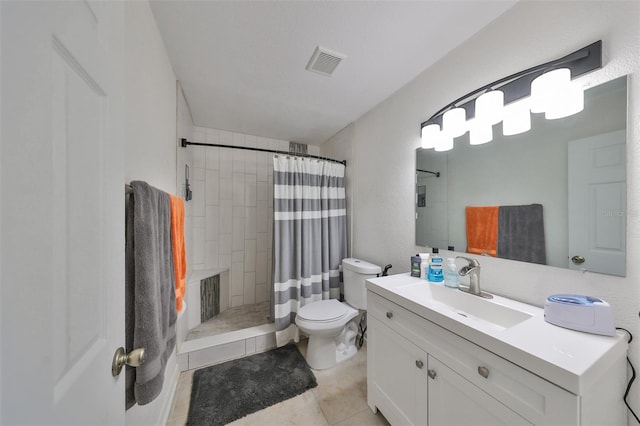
pixel 323 310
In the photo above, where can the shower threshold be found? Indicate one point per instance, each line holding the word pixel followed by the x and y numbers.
pixel 232 319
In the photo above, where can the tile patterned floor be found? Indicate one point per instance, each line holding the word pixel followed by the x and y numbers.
pixel 233 319
pixel 340 399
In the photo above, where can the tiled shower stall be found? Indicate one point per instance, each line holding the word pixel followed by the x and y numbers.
pixel 232 211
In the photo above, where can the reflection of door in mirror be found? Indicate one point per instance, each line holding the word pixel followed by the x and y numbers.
pixel 529 168
pixel 422 195
pixel 431 204
pixel 597 203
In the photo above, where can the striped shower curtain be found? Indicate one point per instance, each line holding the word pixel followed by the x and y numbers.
pixel 309 237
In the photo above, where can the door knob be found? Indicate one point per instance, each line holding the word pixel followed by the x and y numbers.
pixel 419 364
pixel 578 260
pixel 135 358
pixel 389 315
pixel 432 373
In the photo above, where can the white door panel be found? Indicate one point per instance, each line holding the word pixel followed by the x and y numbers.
pixel 62 212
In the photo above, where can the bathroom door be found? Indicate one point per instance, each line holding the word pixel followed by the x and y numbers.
pixel 597 203
pixel 62 215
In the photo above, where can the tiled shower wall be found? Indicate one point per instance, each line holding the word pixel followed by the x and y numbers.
pixel 232 210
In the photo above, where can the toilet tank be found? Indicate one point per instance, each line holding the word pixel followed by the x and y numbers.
pixel 354 274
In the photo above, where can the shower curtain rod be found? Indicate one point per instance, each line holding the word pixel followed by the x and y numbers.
pixel 437 174
pixel 186 143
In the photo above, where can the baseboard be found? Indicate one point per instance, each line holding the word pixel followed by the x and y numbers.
pixel 168 402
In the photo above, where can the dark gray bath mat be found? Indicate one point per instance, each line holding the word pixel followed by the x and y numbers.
pixel 226 392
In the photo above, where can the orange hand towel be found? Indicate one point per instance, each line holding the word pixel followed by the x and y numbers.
pixel 179 253
pixel 482 230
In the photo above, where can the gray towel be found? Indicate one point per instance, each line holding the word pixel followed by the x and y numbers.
pixel 150 290
pixel 521 233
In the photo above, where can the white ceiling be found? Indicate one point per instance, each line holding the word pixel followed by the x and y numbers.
pixel 242 64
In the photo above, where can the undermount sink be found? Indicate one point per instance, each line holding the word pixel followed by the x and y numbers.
pixel 465 305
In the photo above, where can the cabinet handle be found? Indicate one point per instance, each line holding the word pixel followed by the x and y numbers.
pixel 419 364
pixel 431 373
pixel 483 371
pixel 389 314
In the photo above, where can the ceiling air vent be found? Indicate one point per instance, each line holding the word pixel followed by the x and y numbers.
pixel 324 61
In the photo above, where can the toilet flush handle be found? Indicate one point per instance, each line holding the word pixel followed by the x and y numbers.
pixel 386 269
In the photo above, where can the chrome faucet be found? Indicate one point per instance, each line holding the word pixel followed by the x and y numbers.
pixel 473 271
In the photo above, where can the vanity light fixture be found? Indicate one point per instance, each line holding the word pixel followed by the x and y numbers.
pixel 547 88
pixel 454 122
pixel 544 89
pixel 429 135
pixel 479 132
pixel 489 107
pixel 516 117
pixel 444 142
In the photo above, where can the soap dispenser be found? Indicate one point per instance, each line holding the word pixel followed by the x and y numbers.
pixel 451 277
pixel 424 266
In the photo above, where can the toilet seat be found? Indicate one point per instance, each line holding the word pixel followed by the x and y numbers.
pixel 323 311
pixel 326 317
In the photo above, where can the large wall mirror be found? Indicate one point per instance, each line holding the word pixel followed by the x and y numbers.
pixel 574 167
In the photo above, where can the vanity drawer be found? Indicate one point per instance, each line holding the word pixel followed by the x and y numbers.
pixel 533 398
pixel 536 399
pixel 395 316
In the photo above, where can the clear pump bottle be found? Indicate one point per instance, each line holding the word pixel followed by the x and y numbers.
pixel 451 277
pixel 424 265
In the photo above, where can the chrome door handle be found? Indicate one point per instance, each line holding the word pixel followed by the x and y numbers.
pixel 135 358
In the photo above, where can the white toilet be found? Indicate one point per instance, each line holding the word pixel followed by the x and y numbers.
pixel 330 324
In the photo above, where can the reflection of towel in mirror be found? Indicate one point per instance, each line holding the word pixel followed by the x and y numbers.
pixel 521 233
pixel 482 229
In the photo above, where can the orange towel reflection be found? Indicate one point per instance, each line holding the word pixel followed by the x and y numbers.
pixel 179 253
pixel 482 230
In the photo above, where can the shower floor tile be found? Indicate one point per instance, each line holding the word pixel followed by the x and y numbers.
pixel 232 319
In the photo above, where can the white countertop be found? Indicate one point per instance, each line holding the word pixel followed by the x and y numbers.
pixel 571 359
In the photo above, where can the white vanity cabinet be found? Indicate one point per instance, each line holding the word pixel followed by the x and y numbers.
pixel 456 401
pixel 420 373
pixel 415 388
pixel 401 386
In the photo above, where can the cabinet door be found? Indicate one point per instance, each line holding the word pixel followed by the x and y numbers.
pixel 397 376
pixel 454 400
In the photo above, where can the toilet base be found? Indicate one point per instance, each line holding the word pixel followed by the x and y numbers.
pixel 325 352
pixel 344 355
